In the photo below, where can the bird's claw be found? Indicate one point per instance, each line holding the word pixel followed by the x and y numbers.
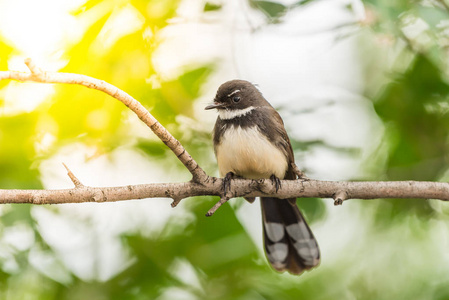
pixel 276 181
pixel 227 182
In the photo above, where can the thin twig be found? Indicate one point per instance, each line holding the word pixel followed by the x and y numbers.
pixel 72 176
pixel 33 67
pixel 217 205
pixel 37 75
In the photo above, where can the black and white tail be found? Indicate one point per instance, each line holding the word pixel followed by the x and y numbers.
pixel 289 242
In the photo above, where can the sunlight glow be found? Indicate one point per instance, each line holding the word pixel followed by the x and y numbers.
pixel 41 32
pixel 23 97
pixel 98 119
pixel 122 22
pixel 43 25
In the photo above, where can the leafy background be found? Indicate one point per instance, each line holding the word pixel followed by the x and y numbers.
pixel 382 249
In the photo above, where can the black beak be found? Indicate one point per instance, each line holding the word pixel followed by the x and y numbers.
pixel 215 105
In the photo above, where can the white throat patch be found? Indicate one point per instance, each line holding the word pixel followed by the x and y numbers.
pixel 231 114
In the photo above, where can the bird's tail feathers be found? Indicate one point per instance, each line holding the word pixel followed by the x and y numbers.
pixel 289 242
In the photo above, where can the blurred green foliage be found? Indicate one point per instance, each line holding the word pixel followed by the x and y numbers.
pixel 418 135
pixel 412 103
pixel 16 158
pixel 274 11
pixel 413 100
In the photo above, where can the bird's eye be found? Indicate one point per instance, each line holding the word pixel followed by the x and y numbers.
pixel 236 99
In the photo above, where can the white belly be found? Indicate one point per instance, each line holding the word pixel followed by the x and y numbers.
pixel 248 153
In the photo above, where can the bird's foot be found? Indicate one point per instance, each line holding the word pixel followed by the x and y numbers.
pixel 276 181
pixel 227 182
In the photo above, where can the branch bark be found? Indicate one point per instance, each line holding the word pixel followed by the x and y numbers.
pixel 239 187
pixel 201 184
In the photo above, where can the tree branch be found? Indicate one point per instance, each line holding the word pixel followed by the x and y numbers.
pixel 201 184
pixel 239 187
pixel 37 75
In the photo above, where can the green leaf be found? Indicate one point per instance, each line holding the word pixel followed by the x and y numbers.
pixel 211 7
pixel 272 10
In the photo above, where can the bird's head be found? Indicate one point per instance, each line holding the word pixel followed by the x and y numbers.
pixel 237 95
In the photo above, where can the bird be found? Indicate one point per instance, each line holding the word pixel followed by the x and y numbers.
pixel 250 141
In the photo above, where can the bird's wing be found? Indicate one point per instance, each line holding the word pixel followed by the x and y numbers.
pixel 273 126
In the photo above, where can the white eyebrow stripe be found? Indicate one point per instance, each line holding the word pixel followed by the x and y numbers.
pixel 233 93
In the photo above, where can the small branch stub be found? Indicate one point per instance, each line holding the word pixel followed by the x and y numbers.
pixel 72 176
pixel 99 196
pixel 339 197
pixel 175 202
pixel 35 70
pixel 217 205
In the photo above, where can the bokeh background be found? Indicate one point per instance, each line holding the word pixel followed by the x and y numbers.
pixel 363 89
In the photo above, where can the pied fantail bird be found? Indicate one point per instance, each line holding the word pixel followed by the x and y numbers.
pixel 250 141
